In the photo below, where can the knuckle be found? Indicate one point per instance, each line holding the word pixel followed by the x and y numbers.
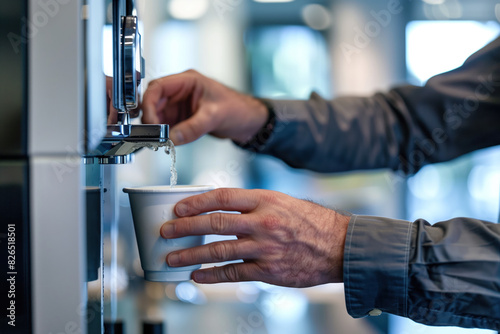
pixel 154 83
pixel 223 197
pixel 271 249
pixel 212 114
pixel 212 110
pixel 219 252
pixel 191 204
pixel 195 128
pixel 217 223
pixel 270 223
pixel 231 273
pixel 191 71
pixel 273 269
pixel 269 197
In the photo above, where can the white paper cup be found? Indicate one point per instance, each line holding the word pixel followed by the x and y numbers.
pixel 151 207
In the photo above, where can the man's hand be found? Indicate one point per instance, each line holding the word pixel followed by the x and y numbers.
pixel 196 105
pixel 282 240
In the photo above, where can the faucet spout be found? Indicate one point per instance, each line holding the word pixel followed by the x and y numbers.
pixel 123 140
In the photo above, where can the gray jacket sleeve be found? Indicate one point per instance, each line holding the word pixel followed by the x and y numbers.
pixel 444 274
pixel 404 129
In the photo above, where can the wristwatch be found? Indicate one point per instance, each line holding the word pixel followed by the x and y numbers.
pixel 259 140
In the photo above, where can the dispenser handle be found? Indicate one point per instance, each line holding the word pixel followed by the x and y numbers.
pixel 131 48
pixel 126 51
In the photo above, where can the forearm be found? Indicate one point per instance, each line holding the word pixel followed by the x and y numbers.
pixel 347 133
pixel 402 129
pixel 445 274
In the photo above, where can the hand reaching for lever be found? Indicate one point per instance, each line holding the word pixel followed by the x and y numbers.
pixel 282 240
pixel 196 105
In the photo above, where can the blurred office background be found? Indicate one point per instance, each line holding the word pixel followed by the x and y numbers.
pixel 285 50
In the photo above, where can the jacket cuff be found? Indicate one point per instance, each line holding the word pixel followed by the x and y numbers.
pixel 285 116
pixel 376 256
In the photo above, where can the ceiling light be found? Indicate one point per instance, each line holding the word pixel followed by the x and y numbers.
pixel 187 9
pixel 316 16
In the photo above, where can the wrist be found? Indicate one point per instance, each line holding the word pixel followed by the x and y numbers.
pixel 262 129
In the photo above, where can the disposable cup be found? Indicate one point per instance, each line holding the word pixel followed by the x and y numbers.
pixel 151 207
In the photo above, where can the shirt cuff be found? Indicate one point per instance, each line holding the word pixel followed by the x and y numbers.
pixel 376 258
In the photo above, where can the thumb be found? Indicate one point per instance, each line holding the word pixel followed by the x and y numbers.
pixel 192 128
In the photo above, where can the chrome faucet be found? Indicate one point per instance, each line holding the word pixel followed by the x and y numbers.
pixel 122 139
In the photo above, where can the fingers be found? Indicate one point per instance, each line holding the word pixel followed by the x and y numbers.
pixel 221 251
pixel 227 199
pixel 112 115
pixel 182 90
pixel 112 112
pixel 199 124
pixel 234 272
pixel 174 88
pixel 215 223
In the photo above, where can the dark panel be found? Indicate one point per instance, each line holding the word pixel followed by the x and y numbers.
pixel 15 286
pixel 13 43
